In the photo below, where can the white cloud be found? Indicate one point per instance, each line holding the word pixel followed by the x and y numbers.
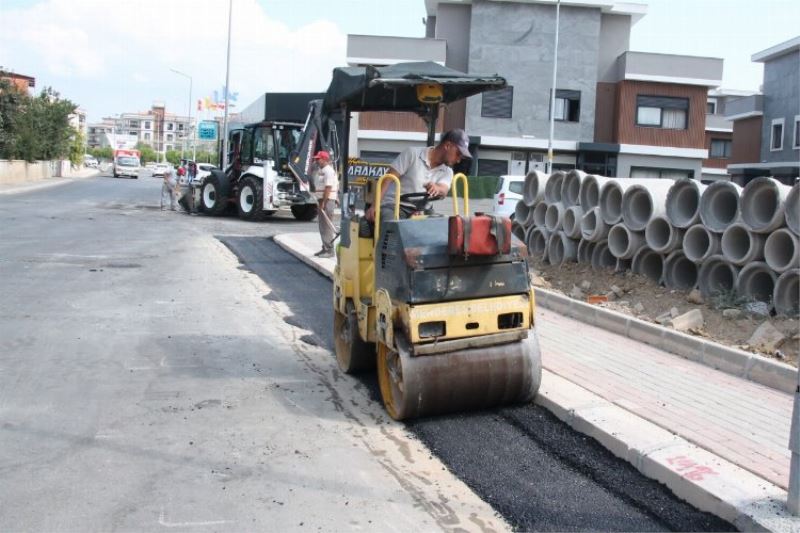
pixel 125 49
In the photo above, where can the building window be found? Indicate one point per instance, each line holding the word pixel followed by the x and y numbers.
pixel 147 136
pixel 133 124
pixel 661 173
pixel 170 126
pixel 132 133
pixel 147 125
pixel 492 167
pixel 180 127
pixel 711 106
pixel 497 104
pixel 662 112
pixel 776 135
pixel 796 143
pixel 720 149
pixel 567 105
pixel 169 136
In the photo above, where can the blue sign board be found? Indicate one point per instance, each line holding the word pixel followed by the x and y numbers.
pixel 207 130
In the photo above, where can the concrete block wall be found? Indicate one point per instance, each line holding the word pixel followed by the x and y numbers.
pixel 14 171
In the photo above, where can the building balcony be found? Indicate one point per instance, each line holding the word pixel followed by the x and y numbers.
pixel 749 106
pixel 670 68
pixel 718 123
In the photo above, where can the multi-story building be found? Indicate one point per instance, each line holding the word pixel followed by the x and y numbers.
pixel 719 133
pixel 22 82
pixel 766 131
pixel 617 112
pixel 157 128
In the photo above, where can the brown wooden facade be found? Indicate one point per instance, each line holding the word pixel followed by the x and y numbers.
pixel 746 146
pixel 717 162
pixel 627 132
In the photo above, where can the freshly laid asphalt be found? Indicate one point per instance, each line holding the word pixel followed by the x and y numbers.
pixel 532 468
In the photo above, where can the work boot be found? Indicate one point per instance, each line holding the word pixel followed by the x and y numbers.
pixel 325 253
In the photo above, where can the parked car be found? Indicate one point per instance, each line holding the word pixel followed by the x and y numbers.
pixel 160 168
pixel 508 193
pixel 90 161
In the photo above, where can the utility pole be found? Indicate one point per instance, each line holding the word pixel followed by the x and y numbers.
pixel 549 166
pixel 227 84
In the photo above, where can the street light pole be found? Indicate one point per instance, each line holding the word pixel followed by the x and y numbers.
pixel 227 84
pixel 549 166
pixel 190 112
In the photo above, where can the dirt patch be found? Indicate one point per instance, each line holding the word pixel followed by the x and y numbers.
pixel 640 297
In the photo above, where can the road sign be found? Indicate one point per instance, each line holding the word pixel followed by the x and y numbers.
pixel 207 130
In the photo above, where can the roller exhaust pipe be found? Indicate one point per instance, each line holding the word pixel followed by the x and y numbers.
pixel 683 202
pixel 661 236
pixel 757 281
pixel 561 249
pixel 537 242
pixel 593 228
pixel 539 214
pixel 571 187
pixel 649 263
pixel 787 293
pixel 533 187
pixel 700 243
pixel 792 209
pixel 741 246
pixel 640 203
pixel 552 189
pixel 717 276
pixel 554 217
pixel 585 250
pixel 590 191
pixel 719 205
pixel 573 217
pixel 782 250
pixel 762 204
pixel 602 258
pixel 624 243
pixel 679 272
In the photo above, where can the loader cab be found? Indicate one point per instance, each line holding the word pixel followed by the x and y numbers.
pixel 265 144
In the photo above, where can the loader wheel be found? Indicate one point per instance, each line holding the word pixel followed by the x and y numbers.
pixel 352 353
pixel 212 198
pixel 304 212
pixel 249 203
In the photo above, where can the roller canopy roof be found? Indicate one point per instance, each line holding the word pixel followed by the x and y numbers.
pixel 393 88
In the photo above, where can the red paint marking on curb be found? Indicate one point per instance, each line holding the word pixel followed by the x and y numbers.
pixel 690 469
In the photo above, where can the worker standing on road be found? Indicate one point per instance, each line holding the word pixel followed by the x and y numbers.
pixel 327 187
pixel 425 169
pixel 168 193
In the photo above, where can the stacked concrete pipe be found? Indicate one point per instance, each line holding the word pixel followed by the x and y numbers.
pixel 717 276
pixel 533 187
pixel 787 293
pixel 593 228
pixel 642 202
pixel 719 205
pixel 649 263
pixel 792 209
pixel 756 282
pixel 554 217
pixel 683 202
pixel 561 249
pixel 762 204
pixel 571 187
pixel 623 242
pixel 661 236
pixel 522 213
pixel 700 243
pixel 611 194
pixel 741 246
pixel 782 251
pixel 552 189
pixel 589 194
pixel 539 214
pixel 679 272
pixel 585 249
pixel 519 231
pixel 602 258
pixel 573 217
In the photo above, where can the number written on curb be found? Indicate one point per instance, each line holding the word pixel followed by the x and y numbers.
pixel 690 469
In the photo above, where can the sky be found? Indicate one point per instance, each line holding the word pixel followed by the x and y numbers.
pixel 116 56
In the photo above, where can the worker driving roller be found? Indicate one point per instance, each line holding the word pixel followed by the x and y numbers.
pixel 423 171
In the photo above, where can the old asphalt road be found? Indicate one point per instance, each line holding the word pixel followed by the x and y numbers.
pixel 149 380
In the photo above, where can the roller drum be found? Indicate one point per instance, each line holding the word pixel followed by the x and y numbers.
pixel 462 380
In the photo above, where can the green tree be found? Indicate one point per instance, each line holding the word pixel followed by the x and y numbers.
pixel 76 148
pixel 148 154
pixel 42 130
pixel 173 156
pixel 11 102
pixel 104 153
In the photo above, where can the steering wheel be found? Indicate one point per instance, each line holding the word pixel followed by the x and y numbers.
pixel 418 199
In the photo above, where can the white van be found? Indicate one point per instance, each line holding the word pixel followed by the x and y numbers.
pixel 508 193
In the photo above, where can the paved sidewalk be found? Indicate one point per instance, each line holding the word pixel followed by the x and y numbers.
pixel 719 441
pixel 25 186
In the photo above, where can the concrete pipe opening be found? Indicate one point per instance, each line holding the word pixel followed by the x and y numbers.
pixel 537 242
pixel 762 204
pixel 571 187
pixel 602 257
pixel 679 272
pixel 585 250
pixel 518 230
pixel 740 245
pixel 611 203
pixel 552 189
pixel 572 222
pixel 521 213
pixel 533 187
pixel 539 212
pixel 787 293
pixel 592 226
pixel 719 205
pixel 637 207
pixel 683 202
pixel 717 276
pixel 756 281
pixel 561 249
pixel 623 265
pixel 649 264
pixel 782 250
pixel 590 191
pixel 699 243
pixel 662 236
pixel 624 243
pixel 792 209
pixel 554 217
